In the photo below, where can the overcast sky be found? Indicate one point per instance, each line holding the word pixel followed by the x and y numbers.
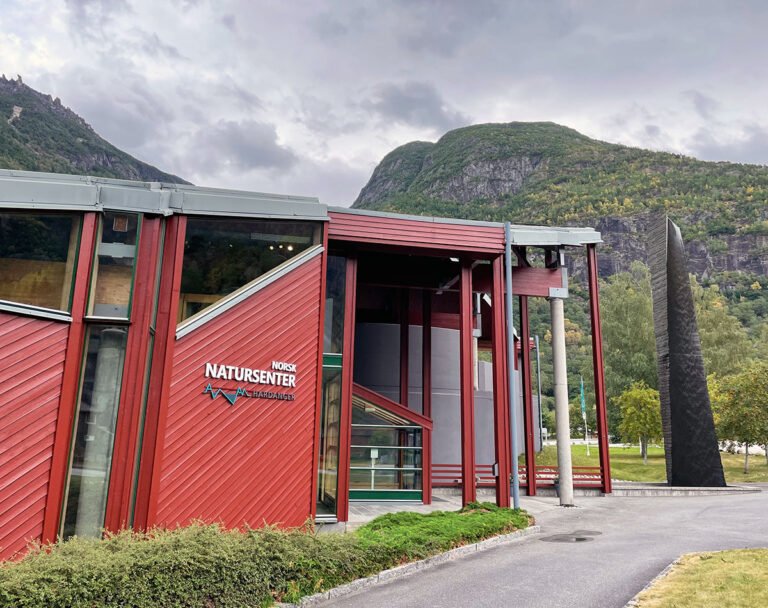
pixel 305 97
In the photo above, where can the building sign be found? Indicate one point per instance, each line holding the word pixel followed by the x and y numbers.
pixel 282 375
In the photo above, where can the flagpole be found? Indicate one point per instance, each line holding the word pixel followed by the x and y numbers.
pixel 584 414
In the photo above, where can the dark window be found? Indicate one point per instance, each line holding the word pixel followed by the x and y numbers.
pixel 222 255
pixel 38 253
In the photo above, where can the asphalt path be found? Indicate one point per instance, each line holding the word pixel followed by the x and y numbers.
pixel 630 541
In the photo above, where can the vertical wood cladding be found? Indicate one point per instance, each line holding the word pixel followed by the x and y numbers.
pixel 31 367
pixel 249 462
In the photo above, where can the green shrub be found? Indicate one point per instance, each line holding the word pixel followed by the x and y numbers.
pixel 207 566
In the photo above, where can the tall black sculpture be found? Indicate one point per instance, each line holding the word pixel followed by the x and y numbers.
pixel 690 442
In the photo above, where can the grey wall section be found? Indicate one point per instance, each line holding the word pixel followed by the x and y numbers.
pixel 377 361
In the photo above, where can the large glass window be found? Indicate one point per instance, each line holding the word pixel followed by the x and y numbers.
pixel 221 255
pixel 386 456
pixel 115 260
pixel 328 463
pixel 333 339
pixel 38 253
pixel 94 437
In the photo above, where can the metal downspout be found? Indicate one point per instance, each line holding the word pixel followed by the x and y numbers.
pixel 511 363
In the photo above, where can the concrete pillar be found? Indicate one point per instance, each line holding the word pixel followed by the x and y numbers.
pixel 562 424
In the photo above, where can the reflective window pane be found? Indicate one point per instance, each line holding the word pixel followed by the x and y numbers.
pixel 113 271
pixel 333 339
pixel 221 255
pixel 38 253
pixel 328 462
pixel 95 432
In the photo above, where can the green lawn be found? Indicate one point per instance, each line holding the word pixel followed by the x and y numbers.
pixel 627 465
pixel 725 579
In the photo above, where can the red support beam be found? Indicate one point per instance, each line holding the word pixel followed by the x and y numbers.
pixel 426 393
pixel 319 379
pixel 160 373
pixel 500 393
pixel 528 418
pixel 405 305
pixel 122 472
pixel 598 366
pixel 347 382
pixel 466 375
pixel 70 380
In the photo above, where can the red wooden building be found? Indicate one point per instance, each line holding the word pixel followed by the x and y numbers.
pixel 170 353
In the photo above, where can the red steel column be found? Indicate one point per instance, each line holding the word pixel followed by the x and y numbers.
pixel 466 375
pixel 405 302
pixel 426 393
pixel 500 399
pixel 160 373
pixel 347 380
pixel 599 369
pixel 70 380
pixel 525 374
pixel 122 473
pixel 319 379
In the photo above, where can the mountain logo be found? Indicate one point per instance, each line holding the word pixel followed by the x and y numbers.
pixel 229 396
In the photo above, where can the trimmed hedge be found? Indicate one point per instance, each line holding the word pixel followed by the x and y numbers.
pixel 207 566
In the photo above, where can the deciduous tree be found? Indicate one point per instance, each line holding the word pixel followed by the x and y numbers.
pixel 640 415
pixel 740 405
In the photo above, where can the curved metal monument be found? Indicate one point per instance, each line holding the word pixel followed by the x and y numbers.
pixel 690 442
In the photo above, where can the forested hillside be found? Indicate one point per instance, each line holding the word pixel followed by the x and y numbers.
pixel 37 133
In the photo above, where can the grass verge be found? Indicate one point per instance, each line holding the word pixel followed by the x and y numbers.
pixel 627 465
pixel 206 566
pixel 725 579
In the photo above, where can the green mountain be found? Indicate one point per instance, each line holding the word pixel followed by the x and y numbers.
pixel 37 133
pixel 543 173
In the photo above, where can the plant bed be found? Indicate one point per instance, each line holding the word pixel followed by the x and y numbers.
pixel 207 566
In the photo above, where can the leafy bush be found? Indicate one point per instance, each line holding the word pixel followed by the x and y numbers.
pixel 207 566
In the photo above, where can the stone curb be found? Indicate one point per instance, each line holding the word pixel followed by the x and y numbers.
pixel 645 491
pixel 633 602
pixel 407 569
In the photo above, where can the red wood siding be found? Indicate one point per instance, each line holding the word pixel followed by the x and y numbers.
pixel 412 233
pixel 251 462
pixel 31 368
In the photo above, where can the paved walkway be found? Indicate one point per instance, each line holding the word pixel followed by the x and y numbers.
pixel 631 541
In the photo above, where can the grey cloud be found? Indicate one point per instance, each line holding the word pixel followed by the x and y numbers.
pixel 652 131
pixel 705 106
pixel 153 46
pixel 321 116
pixel 245 145
pixel 751 147
pixel 327 25
pixel 230 22
pixel 134 114
pixel 86 15
pixel 442 27
pixel 418 104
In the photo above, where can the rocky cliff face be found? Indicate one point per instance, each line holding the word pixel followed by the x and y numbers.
pixel 38 133
pixel 543 173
